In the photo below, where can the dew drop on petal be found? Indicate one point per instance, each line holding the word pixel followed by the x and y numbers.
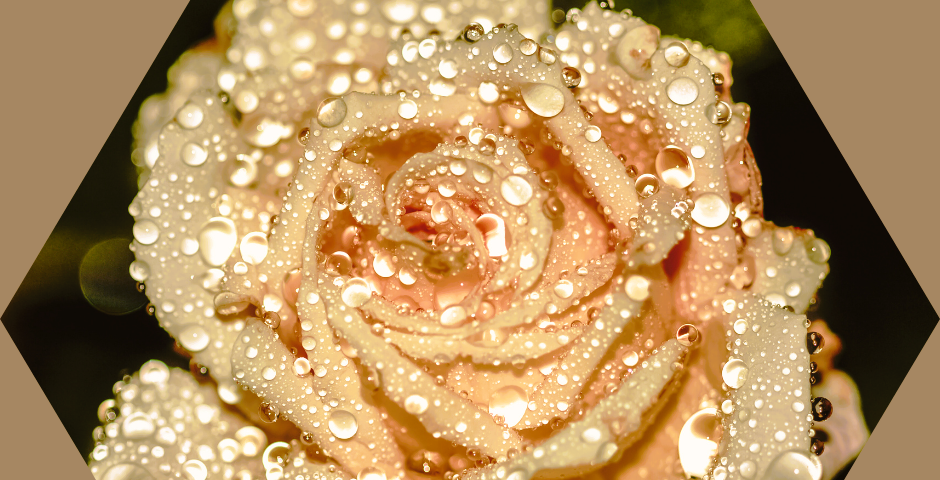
pixel 677 55
pixel 510 403
pixel 682 91
pixel 711 210
pixel 544 100
pixel 193 154
pixel 516 190
pixel 503 53
pixel 343 424
pixel 453 315
pixel 698 442
pixel 674 167
pixel 407 109
pixel 734 373
pixel 190 116
pixel 356 292
pixel 146 232
pixel 217 240
pixel 331 112
pixel 254 247
pixel 416 404
pixel 194 338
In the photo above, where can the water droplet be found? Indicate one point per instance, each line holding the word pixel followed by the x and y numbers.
pixel 544 100
pixel 217 240
pixel 473 32
pixel 371 473
pixel 194 338
pixel 637 287
pixel 190 116
pixel 139 270
pixel 563 289
pixel 718 113
pixel 711 210
pixel 592 134
pixel 822 409
pixel 503 53
pixel 510 403
pixel 698 442
pixel 794 465
pixel 453 315
pixel 123 471
pixel 195 470
pixel 674 167
pixel 740 326
pixel 416 404
pixel 554 208
pixel 516 190
pixel 342 424
pixel 407 109
pixel 734 373
pixel 137 426
pixel 646 185
pixel 399 11
pixel 528 46
pixel 571 77
pixel 814 342
pixel 630 358
pixel 682 91
pixel 677 55
pixel 636 48
pixel 818 250
pixel 268 373
pixel 254 247
pixel 146 232
pixel 591 435
pixel 193 154
pixel 687 335
pixel 356 292
pixel 331 112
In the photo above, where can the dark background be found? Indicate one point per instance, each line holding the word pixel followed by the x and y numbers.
pixel 870 299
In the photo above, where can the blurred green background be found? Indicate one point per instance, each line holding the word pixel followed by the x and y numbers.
pixel 870 299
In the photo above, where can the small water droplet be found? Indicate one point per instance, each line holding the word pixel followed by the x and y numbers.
pixel 544 100
pixel 331 112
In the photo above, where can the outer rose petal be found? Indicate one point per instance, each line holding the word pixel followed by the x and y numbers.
pixel 164 424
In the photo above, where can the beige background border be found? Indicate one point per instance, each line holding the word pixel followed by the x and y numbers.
pixel 71 68
pixel 869 70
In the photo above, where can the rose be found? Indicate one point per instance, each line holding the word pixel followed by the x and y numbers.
pixel 426 277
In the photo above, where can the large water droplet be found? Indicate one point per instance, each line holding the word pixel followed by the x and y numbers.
pixel 453 315
pixel 356 292
pixel 195 470
pixel 516 190
pixel 343 424
pixel 711 210
pixel 193 154
pixel 146 232
pixel 698 442
pixel 544 100
pixel 636 48
pixel 399 11
pixel 677 55
pixel 254 247
pixel 682 91
pixel 509 402
pixel 734 373
pixel 331 112
pixel 794 465
pixel 674 167
pixel 190 116
pixel 416 404
pixel 137 426
pixel 217 240
pixel 503 53
pixel 194 338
